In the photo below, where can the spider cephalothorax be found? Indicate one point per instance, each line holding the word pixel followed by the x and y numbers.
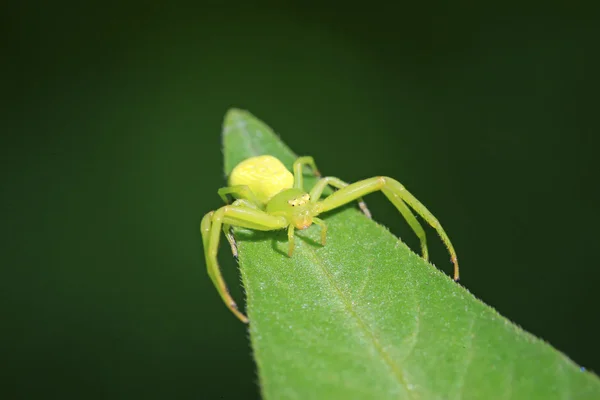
pixel 269 197
pixel 294 205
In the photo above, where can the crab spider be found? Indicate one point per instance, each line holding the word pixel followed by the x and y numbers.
pixel 269 197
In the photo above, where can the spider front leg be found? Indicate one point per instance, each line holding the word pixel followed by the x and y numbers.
pixel 317 191
pixel 398 195
pixel 290 233
pixel 211 227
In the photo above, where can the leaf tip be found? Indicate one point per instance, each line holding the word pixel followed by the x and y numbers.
pixel 234 116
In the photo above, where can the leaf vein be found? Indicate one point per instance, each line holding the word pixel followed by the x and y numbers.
pixel 396 369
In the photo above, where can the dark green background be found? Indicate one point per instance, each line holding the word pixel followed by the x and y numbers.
pixel 111 155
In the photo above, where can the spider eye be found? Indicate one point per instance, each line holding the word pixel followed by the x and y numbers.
pixel 298 201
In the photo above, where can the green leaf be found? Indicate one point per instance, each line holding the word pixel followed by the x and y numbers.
pixel 366 318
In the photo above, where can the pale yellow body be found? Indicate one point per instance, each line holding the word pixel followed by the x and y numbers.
pixel 264 175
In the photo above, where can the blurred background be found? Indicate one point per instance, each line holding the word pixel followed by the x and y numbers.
pixel 111 154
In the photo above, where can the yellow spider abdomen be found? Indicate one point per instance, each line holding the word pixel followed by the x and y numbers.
pixel 264 175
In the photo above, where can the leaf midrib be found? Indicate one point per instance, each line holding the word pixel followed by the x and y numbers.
pixel 364 327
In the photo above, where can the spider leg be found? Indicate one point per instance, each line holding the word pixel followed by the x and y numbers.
pixel 211 227
pixel 299 166
pixel 317 191
pixel 323 226
pixel 291 242
pixel 245 197
pixel 229 235
pixel 398 195
pixel 415 225
pixel 245 203
pixel 227 228
pixel 290 232
pixel 241 192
